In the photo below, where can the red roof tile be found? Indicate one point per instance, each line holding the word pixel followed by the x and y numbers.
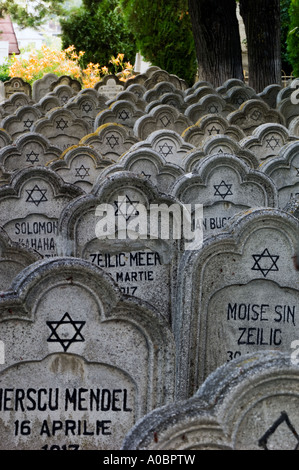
pixel 8 34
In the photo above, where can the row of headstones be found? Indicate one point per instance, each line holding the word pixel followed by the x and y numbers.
pixel 85 363
pixel 83 112
pixel 147 320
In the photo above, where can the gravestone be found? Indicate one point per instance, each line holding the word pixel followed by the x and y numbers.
pixel 42 86
pixel 21 121
pixel 211 125
pixel 15 101
pixel 269 95
pixel 246 296
pixel 13 258
pixel 219 145
pixel 199 92
pixel 80 165
pixel 294 126
pixel 16 85
pixel 127 95
pixel 289 108
pixel 63 92
pixel 73 83
pixel 249 404
pixel 252 114
pixel 208 104
pixel 30 206
pixel 159 90
pixel 82 362
pixel 148 164
pixel 266 140
pixel 284 171
pixel 61 127
pixel 106 228
pixel 30 149
pixel 120 112
pixel 237 95
pixel 48 102
pixel 161 117
pixel 109 86
pixel 110 140
pixel 169 144
pixel 225 186
pixel 170 99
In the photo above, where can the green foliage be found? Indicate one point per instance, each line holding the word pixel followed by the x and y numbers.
pixel 163 34
pixel 98 29
pixel 293 37
pixel 26 16
pixel 285 24
pixel 4 71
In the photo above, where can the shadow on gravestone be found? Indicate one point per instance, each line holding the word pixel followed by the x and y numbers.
pixel 238 294
pixel 129 229
pixel 30 206
pixel 110 140
pixel 82 362
pixel 28 150
pixel 219 145
pixel 250 403
pixel 80 165
pixel 149 165
pixel 13 258
pixel 224 185
pixel 284 171
pixel 266 140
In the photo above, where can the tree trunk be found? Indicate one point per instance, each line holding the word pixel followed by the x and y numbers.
pixel 262 25
pixel 217 40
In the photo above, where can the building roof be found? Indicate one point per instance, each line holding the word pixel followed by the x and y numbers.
pixel 7 33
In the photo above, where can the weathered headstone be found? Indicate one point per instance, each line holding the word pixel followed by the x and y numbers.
pixel 64 93
pixel 169 144
pixel 266 140
pixel 16 85
pixel 21 121
pixel 208 104
pixel 248 404
pixel 82 362
pixel 80 165
pixel 225 186
pixel 15 101
pixel 284 171
pixel 159 90
pixel 219 145
pixel 148 164
pixel 237 295
pixel 31 205
pixel 161 117
pixel 68 81
pixel 211 125
pixel 120 112
pixel 109 86
pixel 111 227
pixel 110 140
pixel 30 149
pixel 42 86
pixel 13 258
pixel 61 127
pixel 252 114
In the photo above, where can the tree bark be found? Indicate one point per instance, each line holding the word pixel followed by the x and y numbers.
pixel 217 40
pixel 262 25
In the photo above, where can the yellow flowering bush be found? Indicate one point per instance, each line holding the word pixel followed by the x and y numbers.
pixel 64 62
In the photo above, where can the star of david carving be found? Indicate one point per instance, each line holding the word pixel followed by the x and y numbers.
pixel 165 149
pixel 65 331
pixel 36 195
pixel 213 109
pixel 272 143
pixel 240 100
pixel 265 262
pixel 223 189
pixel 82 172
pixel 28 123
pixel 165 120
pixel 64 99
pixel 86 107
pixel 126 208
pixel 256 115
pixel 61 124
pixel 112 141
pixel 297 169
pixel 32 157
pixel 213 130
pixel 145 175
pixel 123 115
pixel 263 441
